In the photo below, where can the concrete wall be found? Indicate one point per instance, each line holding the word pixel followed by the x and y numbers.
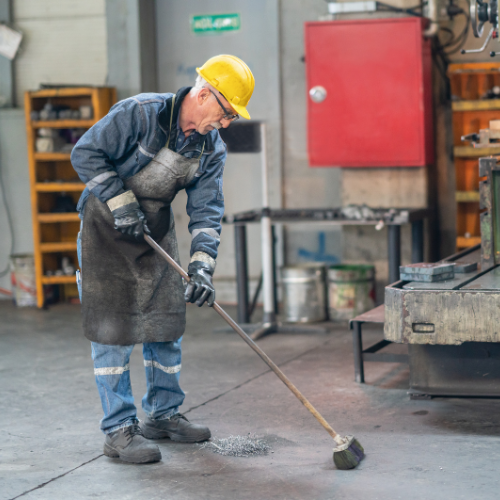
pixel 180 51
pixel 131 46
pixel 60 32
pixel 64 42
pixel 15 178
pixel 303 186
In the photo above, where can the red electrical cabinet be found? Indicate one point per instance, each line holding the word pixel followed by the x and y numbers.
pixel 369 93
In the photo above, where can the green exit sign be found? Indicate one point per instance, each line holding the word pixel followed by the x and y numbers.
pixel 215 24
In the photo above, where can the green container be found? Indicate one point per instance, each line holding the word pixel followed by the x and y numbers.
pixel 351 290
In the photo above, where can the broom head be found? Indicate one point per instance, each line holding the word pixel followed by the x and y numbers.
pixel 348 455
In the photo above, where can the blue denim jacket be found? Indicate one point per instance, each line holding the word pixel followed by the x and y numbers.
pixel 127 139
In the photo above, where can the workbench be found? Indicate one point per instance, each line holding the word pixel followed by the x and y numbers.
pixel 452 329
pixel 325 216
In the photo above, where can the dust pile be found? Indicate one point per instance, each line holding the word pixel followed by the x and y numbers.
pixel 239 446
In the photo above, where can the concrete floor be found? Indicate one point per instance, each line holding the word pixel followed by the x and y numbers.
pixel 51 446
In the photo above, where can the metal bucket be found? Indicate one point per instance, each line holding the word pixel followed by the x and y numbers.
pixel 22 275
pixel 304 293
pixel 351 290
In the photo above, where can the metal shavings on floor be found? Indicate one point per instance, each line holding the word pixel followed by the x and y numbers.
pixel 239 446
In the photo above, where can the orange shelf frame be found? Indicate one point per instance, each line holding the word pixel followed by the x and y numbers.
pixel 470 83
pixel 58 217
pixel 56 187
pixel 40 168
pixel 58 280
pixel 63 124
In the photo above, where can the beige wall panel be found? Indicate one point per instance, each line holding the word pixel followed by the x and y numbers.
pixel 385 187
pixel 69 50
pixel 302 186
pixel 37 9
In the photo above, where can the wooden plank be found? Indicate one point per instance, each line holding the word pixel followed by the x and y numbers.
pixel 463 242
pixel 484 104
pixel 488 281
pixel 58 280
pixel 62 246
pixel 486 67
pixel 58 217
pixel 471 152
pixel 376 315
pixel 466 196
pixel 63 124
pixel 52 156
pixel 62 92
pixel 50 187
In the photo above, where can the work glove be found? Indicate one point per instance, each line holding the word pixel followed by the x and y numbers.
pixel 128 215
pixel 200 287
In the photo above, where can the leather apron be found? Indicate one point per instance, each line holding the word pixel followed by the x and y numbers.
pixel 130 295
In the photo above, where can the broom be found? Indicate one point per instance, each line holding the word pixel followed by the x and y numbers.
pixel 348 453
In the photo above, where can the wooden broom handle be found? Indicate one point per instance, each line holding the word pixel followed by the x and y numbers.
pixel 250 342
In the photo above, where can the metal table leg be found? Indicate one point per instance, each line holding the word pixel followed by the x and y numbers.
pixel 394 251
pixel 417 241
pixel 240 244
pixel 357 341
pixel 275 271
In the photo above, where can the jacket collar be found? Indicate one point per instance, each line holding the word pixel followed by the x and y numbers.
pixel 164 119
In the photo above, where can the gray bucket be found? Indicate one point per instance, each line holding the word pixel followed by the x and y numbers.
pixel 351 290
pixel 22 273
pixel 304 293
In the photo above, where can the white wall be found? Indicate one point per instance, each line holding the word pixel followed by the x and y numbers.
pixel 64 42
pixel 15 177
pixel 180 51
pixel 303 186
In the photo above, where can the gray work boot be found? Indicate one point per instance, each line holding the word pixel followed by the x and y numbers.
pixel 177 428
pixel 129 445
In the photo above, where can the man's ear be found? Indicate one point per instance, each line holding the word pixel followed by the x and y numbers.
pixel 203 95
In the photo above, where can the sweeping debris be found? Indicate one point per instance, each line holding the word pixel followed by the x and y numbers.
pixel 239 446
pixel 348 453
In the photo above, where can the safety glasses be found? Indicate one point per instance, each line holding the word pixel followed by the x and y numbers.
pixel 227 114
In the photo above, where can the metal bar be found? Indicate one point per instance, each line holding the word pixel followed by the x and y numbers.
pixel 275 270
pixel 417 241
pixel 240 250
pixel 357 343
pixel 255 298
pixel 269 315
pixel 394 251
pixel 376 347
pixel 7 97
pixel 462 253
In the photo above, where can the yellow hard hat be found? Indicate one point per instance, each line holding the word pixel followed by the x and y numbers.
pixel 232 78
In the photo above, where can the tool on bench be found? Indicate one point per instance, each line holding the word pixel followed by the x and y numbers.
pixel 348 452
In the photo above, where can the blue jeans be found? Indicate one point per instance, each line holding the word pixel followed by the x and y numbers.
pixel 162 362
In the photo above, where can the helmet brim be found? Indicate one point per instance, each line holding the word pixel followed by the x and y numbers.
pixel 241 110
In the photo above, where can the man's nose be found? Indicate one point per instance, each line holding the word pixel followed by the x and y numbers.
pixel 225 123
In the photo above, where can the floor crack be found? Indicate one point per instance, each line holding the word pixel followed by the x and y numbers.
pixel 57 477
pixel 215 398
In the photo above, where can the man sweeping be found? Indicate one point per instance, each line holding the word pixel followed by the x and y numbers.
pixel 133 162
